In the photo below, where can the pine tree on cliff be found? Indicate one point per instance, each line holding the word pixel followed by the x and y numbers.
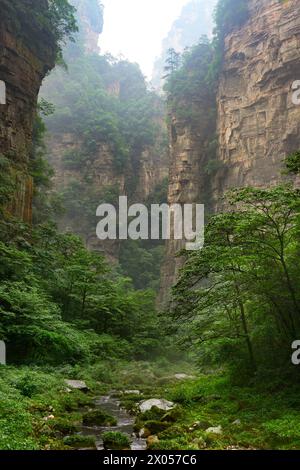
pixel 172 62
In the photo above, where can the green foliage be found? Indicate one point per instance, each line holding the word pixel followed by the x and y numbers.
pixel 47 204
pixel 172 62
pixel 229 14
pixel 105 102
pixel 284 430
pixel 60 303
pixel 239 295
pixel 60 20
pixel 15 421
pixel 142 264
pixel 292 163
pixel 53 20
pixel 141 260
pixel 188 82
pixel 191 91
pixel 7 183
pixel 196 71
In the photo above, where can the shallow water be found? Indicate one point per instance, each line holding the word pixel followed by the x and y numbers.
pixel 125 423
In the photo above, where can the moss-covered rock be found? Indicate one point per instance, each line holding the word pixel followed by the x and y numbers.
pixel 63 426
pixel 173 415
pixel 130 402
pixel 153 414
pixel 80 442
pixel 116 441
pixel 98 418
pixel 154 427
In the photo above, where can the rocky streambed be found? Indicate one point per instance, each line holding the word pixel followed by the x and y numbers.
pixel 124 423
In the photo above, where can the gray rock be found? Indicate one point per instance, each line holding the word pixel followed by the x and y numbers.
pixel 132 392
pixel 214 430
pixel 77 385
pixel 184 376
pixel 162 404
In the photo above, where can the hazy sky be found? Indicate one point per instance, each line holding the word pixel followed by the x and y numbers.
pixel 136 28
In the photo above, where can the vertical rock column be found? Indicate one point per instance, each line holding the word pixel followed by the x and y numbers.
pixel 188 180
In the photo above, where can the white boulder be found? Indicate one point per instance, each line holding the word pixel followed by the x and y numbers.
pixel 161 404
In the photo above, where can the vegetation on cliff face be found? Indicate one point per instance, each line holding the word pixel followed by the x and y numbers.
pixel 293 163
pixel 103 101
pixel 106 104
pixel 229 14
pixel 54 18
pixel 194 21
pixel 141 260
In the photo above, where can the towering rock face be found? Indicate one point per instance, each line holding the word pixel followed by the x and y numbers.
pixel 27 53
pixel 102 177
pixel 138 180
pixel 90 18
pixel 257 122
pixel 188 181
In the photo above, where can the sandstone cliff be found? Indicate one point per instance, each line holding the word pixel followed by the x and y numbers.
pixel 257 123
pixel 27 53
pixel 103 182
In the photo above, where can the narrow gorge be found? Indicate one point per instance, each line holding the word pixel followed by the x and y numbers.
pixel 139 343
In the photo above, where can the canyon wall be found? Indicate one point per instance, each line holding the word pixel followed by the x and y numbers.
pixel 137 180
pixel 27 53
pixel 101 175
pixel 92 102
pixel 257 123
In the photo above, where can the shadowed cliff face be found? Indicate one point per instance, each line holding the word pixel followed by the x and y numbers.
pixel 257 123
pixel 27 53
pixel 188 180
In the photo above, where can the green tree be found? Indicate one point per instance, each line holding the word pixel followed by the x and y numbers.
pixel 243 287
